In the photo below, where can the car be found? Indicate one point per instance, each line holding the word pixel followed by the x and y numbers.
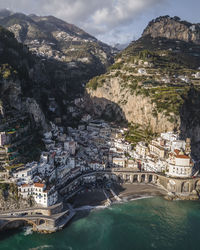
pixel 23 214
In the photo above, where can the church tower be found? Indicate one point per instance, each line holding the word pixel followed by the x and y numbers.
pixel 188 146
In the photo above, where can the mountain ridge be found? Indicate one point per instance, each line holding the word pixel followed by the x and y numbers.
pixel 154 83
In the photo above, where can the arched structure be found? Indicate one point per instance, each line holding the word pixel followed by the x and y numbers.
pixel 30 222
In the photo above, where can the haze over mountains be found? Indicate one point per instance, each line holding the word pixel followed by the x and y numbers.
pixel 65 57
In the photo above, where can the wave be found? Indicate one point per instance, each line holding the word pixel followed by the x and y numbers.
pixel 141 198
pixel 41 247
pixel 124 200
pixel 89 208
pixel 27 231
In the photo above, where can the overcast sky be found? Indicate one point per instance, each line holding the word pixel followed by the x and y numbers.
pixel 112 21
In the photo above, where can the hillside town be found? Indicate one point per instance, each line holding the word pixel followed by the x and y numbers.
pixel 92 147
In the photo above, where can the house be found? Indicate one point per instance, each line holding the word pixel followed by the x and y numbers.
pixel 2 138
pixel 96 166
pixel 25 174
pixel 169 136
pixel 180 165
pixel 157 150
pixel 132 164
pixel 44 169
pixel 178 144
pixel 86 118
pixel 142 71
pixel 141 149
pixel 197 75
pixel 75 171
pixel 62 157
pixel 89 179
pixel 71 163
pixel 70 146
pixel 44 157
pixel 42 196
pixel 119 162
pixel 124 146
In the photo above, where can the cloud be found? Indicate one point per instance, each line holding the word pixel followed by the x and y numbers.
pixel 98 17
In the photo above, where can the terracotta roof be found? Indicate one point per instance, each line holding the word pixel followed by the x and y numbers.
pixel 41 185
pixel 182 156
pixel 176 151
pixel 25 185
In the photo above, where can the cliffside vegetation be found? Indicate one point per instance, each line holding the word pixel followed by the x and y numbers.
pixel 151 80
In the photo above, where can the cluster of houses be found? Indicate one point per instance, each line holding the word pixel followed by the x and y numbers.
pixel 95 146
pixel 92 146
pixel 166 154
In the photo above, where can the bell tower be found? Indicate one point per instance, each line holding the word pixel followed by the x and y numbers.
pixel 188 146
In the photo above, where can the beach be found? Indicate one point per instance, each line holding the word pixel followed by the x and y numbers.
pixel 96 197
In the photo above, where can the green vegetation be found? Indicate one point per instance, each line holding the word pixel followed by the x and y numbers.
pixel 137 133
pixel 96 82
pixel 161 58
pixel 6 71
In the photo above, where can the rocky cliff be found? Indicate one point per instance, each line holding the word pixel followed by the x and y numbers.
pixel 154 82
pixel 16 85
pixel 76 55
pixel 64 58
pixel 115 103
pixel 173 28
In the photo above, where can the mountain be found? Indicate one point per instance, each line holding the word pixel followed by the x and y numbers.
pixel 53 38
pixel 21 115
pixel 5 13
pixel 66 57
pixel 173 28
pixel 154 83
pixel 120 46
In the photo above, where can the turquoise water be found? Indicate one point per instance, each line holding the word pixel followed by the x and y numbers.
pixel 142 224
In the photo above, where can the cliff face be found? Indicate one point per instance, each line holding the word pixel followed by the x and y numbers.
pixel 154 82
pixel 132 108
pixel 75 55
pixel 63 58
pixel 173 28
pixel 16 85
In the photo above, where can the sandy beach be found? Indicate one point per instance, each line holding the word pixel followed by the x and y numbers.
pixel 96 197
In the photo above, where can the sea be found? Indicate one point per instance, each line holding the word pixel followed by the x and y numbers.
pixel 141 224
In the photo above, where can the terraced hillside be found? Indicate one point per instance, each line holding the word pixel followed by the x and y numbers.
pixel 155 83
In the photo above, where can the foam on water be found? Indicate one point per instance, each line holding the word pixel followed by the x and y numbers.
pixel 41 247
pixel 124 200
pixel 89 208
pixel 141 198
pixel 27 231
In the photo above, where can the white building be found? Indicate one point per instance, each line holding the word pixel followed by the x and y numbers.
pixel 180 165
pixel 71 163
pixel 2 138
pixel 119 162
pixel 45 169
pixel 26 173
pixel 96 166
pixel 197 75
pixel 62 157
pixel 141 149
pixel 169 136
pixel 178 144
pixel 70 146
pixel 142 71
pixel 125 146
pixel 41 195
pixel 89 179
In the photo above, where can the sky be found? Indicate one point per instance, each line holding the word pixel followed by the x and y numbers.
pixel 112 21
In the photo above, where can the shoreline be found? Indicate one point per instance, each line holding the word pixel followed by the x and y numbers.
pixel 95 198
